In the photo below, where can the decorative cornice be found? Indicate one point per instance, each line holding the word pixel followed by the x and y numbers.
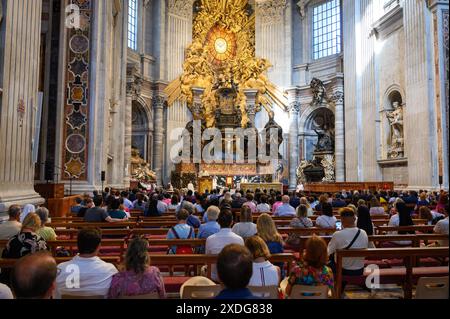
pixel 294 107
pixel 389 22
pixel 301 7
pixel 251 109
pixel 338 97
pixel 433 3
pixel 271 11
pixel 182 8
pixel 159 102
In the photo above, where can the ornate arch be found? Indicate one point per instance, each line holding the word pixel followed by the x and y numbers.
pixel 307 116
pixel 392 89
pixel 146 108
pixel 142 128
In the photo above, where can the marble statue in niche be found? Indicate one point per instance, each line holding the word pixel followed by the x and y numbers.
pixel 325 140
pixel 396 140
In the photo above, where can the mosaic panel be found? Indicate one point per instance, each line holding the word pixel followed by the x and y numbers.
pixel 445 34
pixel 76 125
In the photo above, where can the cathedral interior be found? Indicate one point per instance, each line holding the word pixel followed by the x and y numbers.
pixel 100 92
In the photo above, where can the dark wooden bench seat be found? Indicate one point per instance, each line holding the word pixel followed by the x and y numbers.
pixel 410 257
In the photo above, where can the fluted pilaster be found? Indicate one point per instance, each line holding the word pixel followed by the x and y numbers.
pixel 294 109
pixel 158 107
pixel 19 77
pixel 338 99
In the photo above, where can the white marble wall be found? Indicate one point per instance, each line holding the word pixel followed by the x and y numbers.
pixel 400 56
pixel 273 35
pixel 19 82
pixel 178 38
pixel 421 147
pixel 273 38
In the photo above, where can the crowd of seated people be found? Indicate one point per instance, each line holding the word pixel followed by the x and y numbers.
pixel 212 216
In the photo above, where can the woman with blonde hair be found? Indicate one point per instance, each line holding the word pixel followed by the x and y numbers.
pixel 268 232
pixel 27 241
pixel 264 272
pixel 312 270
pixel 304 201
pixel 137 277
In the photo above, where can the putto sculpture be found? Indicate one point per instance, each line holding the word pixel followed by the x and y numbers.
pixel 318 90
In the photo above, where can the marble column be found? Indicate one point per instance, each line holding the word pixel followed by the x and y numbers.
pixel 134 84
pixel 251 106
pixel 339 140
pixel 440 11
pixel 158 109
pixel 128 137
pixel 19 77
pixel 196 107
pixel 294 109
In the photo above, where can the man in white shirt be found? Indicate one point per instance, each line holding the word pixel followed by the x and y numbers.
pixel 285 209
pixel 11 227
pixel 350 237
pixel 441 227
pixel 5 292
pixel 215 243
pixel 86 274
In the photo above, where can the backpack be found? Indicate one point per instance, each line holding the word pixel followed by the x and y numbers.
pixel 183 249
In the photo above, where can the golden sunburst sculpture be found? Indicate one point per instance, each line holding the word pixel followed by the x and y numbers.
pixel 222 55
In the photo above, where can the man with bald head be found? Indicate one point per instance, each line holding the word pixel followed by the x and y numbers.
pixel 285 209
pixel 34 276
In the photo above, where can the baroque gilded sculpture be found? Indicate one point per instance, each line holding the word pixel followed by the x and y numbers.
pixel 222 55
pixel 396 139
pixel 140 168
pixel 328 164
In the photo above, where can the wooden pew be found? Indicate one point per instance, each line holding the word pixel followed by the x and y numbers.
pixel 200 260
pixel 385 222
pixel 159 223
pixel 71 245
pixel 420 228
pixel 408 254
pixel 149 231
pixel 72 233
pixel 416 239
pixel 100 225
pixel 305 231
pixel 59 220
pixel 177 242
pixel 9 263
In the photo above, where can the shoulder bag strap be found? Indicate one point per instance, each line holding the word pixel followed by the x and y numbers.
pixel 353 240
pixel 175 233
